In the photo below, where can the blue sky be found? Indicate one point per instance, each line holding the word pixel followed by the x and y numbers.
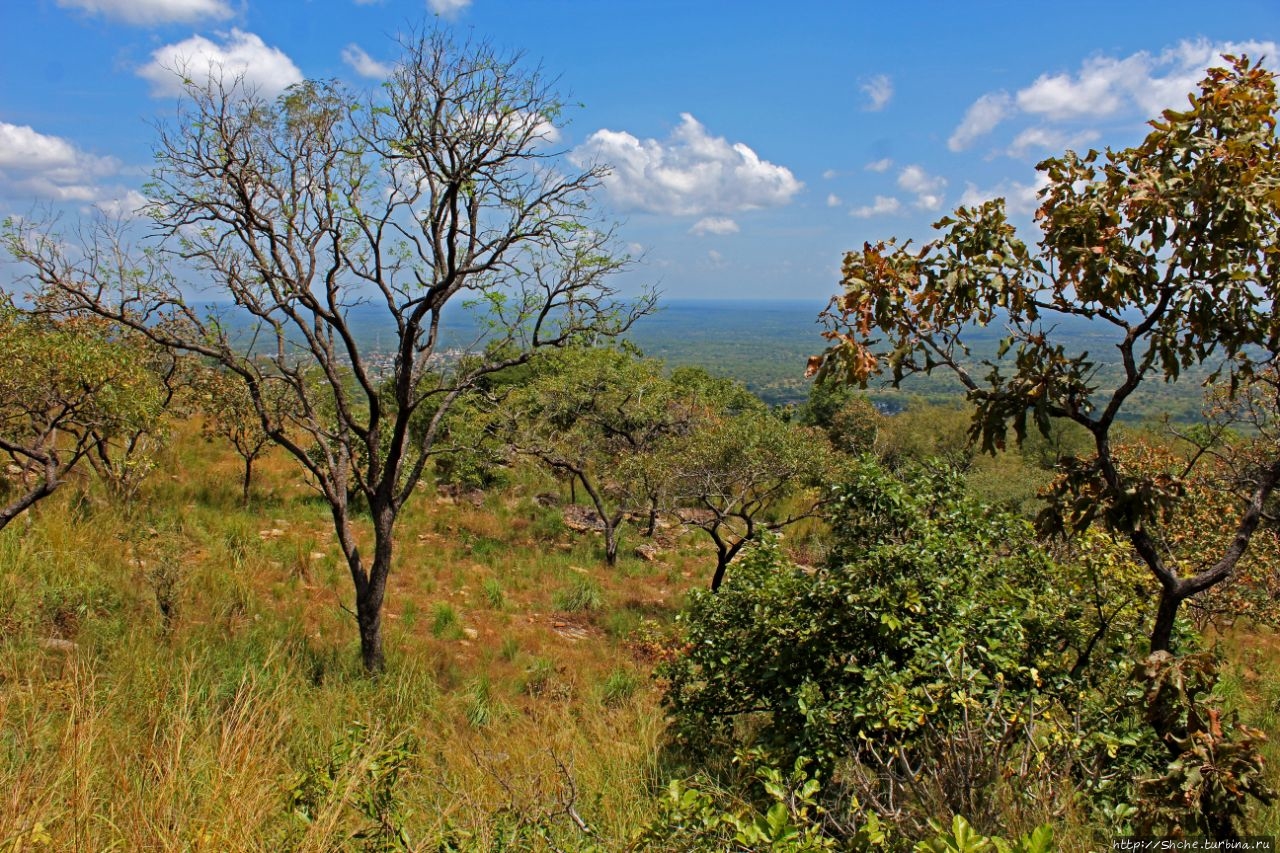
pixel 753 142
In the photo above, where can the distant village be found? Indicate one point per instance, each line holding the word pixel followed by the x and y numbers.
pixel 381 363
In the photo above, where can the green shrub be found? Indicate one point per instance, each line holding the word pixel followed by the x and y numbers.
pixel 362 772
pixel 548 525
pixel 783 817
pixel 940 635
pixel 445 624
pixel 579 595
pixel 619 686
pixel 493 593
pixel 481 707
pixel 1214 764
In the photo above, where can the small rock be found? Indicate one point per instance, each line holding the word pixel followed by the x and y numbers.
pixel 582 520
pixel 647 552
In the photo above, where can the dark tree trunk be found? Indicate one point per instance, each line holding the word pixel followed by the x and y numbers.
pixel 610 536
pixel 722 564
pixel 369 616
pixel 248 478
pixel 48 484
pixel 726 551
pixel 371 585
pixel 1166 615
pixel 653 519
pixel 1220 826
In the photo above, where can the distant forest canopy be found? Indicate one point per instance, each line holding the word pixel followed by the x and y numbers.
pixel 765 343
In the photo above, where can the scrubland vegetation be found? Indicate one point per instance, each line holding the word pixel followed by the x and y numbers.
pixel 548 594
pixel 180 672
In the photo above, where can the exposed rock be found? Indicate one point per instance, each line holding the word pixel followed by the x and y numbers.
pixel 447 493
pixel 695 515
pixel 570 631
pixel 582 520
pixel 648 552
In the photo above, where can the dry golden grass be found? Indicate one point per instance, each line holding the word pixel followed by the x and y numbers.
pixel 117 733
pixel 120 733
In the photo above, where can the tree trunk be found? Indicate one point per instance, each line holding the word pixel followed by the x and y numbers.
pixel 48 483
pixel 1166 615
pixel 369 616
pixel 369 604
pixel 610 542
pixel 722 563
pixel 248 478
pixel 725 551
pixel 653 519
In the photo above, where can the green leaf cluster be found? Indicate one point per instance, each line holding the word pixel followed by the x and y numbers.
pixel 362 772
pixel 933 611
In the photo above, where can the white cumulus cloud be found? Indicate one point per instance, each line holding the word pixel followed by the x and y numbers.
pixel 152 12
pixel 883 206
pixel 980 119
pixel 447 8
pixel 833 200
pixel 1018 197
pixel 543 130
pixel 37 165
pixel 364 64
pixel 925 187
pixel 1098 90
pixel 882 165
pixel 237 55
pixel 714 225
pixel 1141 84
pixel 879 91
pixel 691 173
pixel 122 205
pixel 1048 139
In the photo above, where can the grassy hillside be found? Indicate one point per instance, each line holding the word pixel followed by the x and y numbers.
pixel 182 674
pixel 518 668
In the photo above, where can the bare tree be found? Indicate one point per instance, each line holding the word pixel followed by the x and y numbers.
pixel 441 188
